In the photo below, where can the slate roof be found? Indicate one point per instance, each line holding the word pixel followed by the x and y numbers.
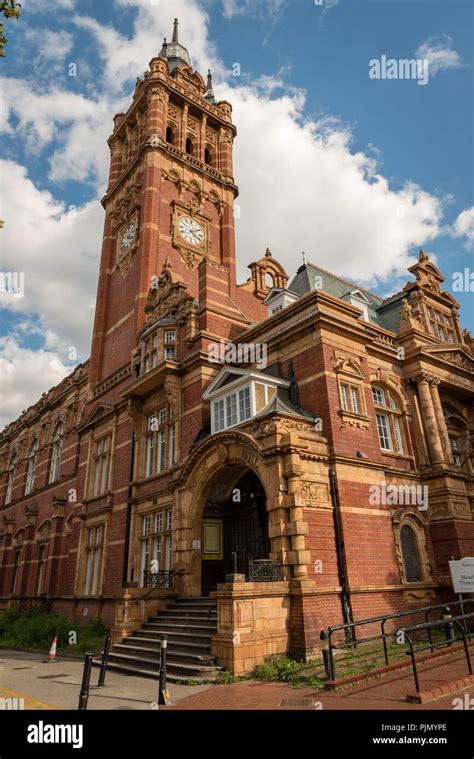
pixel 383 313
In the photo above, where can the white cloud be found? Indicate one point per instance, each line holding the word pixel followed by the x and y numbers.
pixel 259 8
pixel 24 376
pixel 58 251
pixel 301 188
pixel 440 54
pixel 54 45
pixel 464 226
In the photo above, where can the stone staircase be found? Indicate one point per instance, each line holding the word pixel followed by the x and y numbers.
pixel 189 624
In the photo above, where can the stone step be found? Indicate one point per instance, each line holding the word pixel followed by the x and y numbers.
pixel 184 655
pixel 169 627
pixel 155 643
pixel 153 675
pixel 182 669
pixel 176 637
pixel 186 613
pixel 192 619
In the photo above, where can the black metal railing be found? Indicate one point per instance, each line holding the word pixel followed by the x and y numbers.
pixel 450 624
pixel 161 579
pixel 264 570
pixel 351 641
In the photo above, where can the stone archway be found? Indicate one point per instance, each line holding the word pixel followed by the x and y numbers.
pixel 209 477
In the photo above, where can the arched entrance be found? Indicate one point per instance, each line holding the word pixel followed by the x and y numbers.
pixel 234 526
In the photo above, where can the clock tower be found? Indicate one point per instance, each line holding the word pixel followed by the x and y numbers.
pixel 169 202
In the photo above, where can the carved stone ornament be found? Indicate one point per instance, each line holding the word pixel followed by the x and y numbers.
pixel 314 492
pixel 127 242
pixel 458 359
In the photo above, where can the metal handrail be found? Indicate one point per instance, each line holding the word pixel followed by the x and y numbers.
pixel 146 593
pixel 383 636
pixel 447 624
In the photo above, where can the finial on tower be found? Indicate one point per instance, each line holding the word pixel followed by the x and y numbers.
pixel 209 94
pixel 175 31
pixel 304 258
pixel 163 51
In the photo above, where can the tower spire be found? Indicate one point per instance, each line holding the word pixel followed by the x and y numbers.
pixel 175 31
pixel 209 94
pixel 175 53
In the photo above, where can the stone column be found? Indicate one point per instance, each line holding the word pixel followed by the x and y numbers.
pixel 202 138
pixel 429 419
pixel 418 432
pixel 440 418
pixel 184 128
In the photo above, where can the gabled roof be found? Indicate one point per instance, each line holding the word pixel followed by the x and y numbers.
pixel 229 375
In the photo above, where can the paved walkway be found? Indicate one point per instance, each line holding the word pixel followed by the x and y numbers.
pixel 57 686
pixel 386 693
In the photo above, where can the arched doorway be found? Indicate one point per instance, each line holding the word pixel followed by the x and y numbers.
pixel 234 527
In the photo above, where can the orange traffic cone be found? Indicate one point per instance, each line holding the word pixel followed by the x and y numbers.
pixel 52 650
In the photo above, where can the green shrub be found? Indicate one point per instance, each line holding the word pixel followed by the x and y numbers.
pixel 35 630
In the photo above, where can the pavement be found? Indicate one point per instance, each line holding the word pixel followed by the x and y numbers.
pixel 56 686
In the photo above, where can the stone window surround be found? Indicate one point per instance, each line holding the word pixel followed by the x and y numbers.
pixel 417 522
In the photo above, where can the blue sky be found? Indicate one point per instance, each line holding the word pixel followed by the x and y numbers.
pixel 357 172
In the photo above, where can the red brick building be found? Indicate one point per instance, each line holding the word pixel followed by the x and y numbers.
pixel 299 449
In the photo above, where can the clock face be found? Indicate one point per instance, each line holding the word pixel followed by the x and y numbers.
pixel 128 236
pixel 191 231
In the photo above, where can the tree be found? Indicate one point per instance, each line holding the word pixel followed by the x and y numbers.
pixel 9 9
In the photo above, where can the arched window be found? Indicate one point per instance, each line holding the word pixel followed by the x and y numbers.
pixel 11 477
pixel 56 454
pixel 43 537
pixel 389 419
pixel 189 146
pixel 170 135
pixel 31 470
pixel 410 554
pixel 17 544
pixel 269 281
pixel 208 156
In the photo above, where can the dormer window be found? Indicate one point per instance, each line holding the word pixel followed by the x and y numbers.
pixel 278 299
pixel 361 301
pixel 237 395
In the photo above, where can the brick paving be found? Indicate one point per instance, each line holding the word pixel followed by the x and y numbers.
pixel 388 693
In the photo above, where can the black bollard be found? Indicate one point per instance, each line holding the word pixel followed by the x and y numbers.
pixel 449 627
pixel 324 639
pixel 163 694
pixel 105 659
pixel 86 678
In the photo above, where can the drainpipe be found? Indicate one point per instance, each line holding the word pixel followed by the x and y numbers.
pixel 341 559
pixel 126 549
